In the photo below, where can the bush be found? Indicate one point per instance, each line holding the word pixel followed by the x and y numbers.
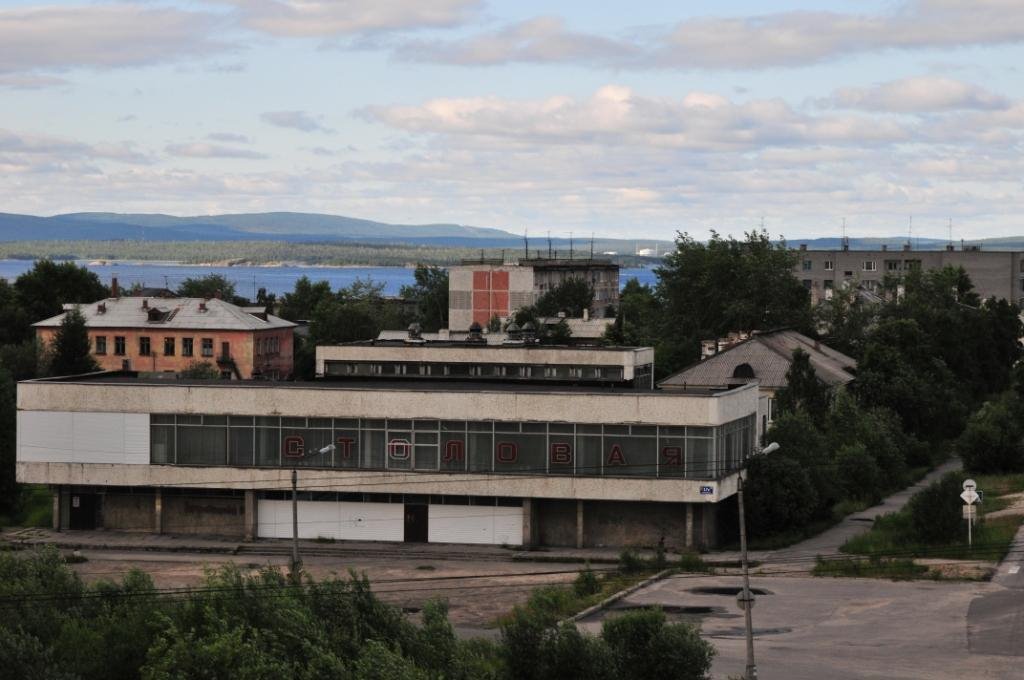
pixel 586 583
pixel 859 475
pixel 991 442
pixel 644 647
pixel 630 561
pixel 935 511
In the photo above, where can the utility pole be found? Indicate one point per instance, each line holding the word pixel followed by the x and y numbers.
pixel 296 564
pixel 746 599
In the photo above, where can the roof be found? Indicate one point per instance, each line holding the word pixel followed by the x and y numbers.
pixel 770 355
pixel 179 313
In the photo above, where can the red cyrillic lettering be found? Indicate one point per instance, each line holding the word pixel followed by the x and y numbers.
pixel 615 456
pixel 454 450
pixel 560 453
pixel 673 455
pixel 508 452
pixel 294 446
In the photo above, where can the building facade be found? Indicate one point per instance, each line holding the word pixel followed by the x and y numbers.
pixel 997 274
pixel 405 461
pixel 482 289
pixel 167 335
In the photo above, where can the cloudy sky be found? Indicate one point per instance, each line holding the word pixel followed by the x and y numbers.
pixel 625 119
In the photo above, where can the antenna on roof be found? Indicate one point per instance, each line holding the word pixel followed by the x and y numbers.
pixel 951 232
pixel 591 245
pixel 549 244
pixel 570 245
pixel 846 239
pixel 910 233
pixel 526 245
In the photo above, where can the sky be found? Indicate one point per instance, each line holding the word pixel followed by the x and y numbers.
pixel 634 120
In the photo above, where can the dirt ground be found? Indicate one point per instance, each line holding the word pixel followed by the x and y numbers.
pixel 478 592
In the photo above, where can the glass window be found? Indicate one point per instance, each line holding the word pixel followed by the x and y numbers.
pixel 161 444
pixel 630 456
pixel 808 265
pixel 144 348
pixel 242 446
pixel 119 346
pixel 671 457
pixel 346 442
pixel 101 344
pixel 588 454
pixel 520 453
pixel 168 347
pixel 481 451
pixel 186 347
pixel 207 347
pixel 204 445
pixel 268 446
pixel 829 266
pixel 869 265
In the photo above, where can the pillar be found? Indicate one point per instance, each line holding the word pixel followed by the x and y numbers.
pixel 689 525
pixel 250 515
pixel 579 524
pixel 528 522
pixel 158 511
pixel 55 490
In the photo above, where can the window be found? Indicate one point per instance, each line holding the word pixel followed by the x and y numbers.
pixel 168 347
pixel 144 348
pixel 808 265
pixel 807 283
pixel 829 265
pixel 101 344
pixel 186 347
pixel 892 265
pixel 119 345
pixel 848 273
pixel 828 285
pixel 225 350
pixel 207 347
pixel 869 266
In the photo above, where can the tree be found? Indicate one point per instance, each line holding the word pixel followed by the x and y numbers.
pixel 210 286
pixel 800 440
pixel 859 475
pixel 992 440
pixel 636 320
pixel 709 289
pixel 71 353
pixel 804 391
pixel 935 511
pixel 571 296
pixel 44 289
pixel 845 320
pixel 8 442
pixel 15 325
pixel 430 294
pixel 645 646
pixel 307 296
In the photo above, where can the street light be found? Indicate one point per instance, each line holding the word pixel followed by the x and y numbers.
pixel 746 598
pixel 296 563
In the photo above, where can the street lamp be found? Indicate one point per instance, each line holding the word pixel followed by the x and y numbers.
pixel 296 563
pixel 746 599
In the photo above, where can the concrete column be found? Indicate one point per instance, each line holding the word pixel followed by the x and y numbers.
pixel 251 519
pixel 709 532
pixel 528 522
pixel 689 525
pixel 65 508
pixel 55 490
pixel 158 511
pixel 579 524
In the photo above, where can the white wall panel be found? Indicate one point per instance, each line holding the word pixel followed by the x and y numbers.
pixel 475 524
pixel 63 437
pixel 343 521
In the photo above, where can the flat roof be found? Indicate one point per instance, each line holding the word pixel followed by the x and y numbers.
pixel 466 344
pixel 371 384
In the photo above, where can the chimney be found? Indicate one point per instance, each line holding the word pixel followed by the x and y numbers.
pixel 115 291
pixel 202 306
pixel 803 246
pixel 884 247
pixel 101 308
pixel 218 295
pixel 145 303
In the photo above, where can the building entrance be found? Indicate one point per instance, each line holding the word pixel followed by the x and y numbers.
pixel 82 513
pixel 415 523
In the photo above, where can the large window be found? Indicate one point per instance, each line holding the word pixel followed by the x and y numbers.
pixel 101 344
pixel 186 347
pixel 207 347
pixel 144 348
pixel 119 347
pixel 538 448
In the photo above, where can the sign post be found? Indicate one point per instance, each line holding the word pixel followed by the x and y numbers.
pixel 970 497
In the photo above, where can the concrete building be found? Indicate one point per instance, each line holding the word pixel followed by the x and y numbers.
pixel 762 358
pixel 997 274
pixel 167 335
pixel 485 288
pixel 499 462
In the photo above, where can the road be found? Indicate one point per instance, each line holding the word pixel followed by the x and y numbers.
pixel 995 620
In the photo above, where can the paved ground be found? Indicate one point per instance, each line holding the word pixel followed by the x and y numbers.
pixel 811 628
pixel 995 620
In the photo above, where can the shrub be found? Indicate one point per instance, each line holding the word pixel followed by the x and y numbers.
pixel 935 511
pixel 586 583
pixel 859 475
pixel 991 442
pixel 644 647
pixel 630 561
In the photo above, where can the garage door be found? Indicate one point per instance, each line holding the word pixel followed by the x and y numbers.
pixel 475 524
pixel 343 521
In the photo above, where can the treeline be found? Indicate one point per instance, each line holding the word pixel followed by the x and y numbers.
pixel 263 626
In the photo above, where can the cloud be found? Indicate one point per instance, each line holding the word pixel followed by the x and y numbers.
pixel 229 137
pixel 296 120
pixel 61 149
pixel 28 81
pixel 203 150
pixel 781 39
pixel 616 115
pixel 918 94
pixel 101 36
pixel 538 40
pixel 320 18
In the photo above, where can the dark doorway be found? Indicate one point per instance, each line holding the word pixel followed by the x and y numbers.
pixel 82 513
pixel 415 523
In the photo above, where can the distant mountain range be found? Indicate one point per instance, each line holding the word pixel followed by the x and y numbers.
pixel 312 227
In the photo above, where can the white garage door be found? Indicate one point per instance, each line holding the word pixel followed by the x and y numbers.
pixel 475 524
pixel 343 521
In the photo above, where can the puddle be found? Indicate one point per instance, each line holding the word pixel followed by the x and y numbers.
pixel 727 590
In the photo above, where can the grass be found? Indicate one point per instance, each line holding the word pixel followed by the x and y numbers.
pixel 897 569
pixel 34 508
pixel 560 602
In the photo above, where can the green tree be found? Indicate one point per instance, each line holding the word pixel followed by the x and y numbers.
pixel 992 440
pixel 44 289
pixel 571 296
pixel 709 289
pixel 430 294
pixel 8 442
pixel 645 646
pixel 15 324
pixel 307 296
pixel 210 286
pixel 845 320
pixel 780 496
pixel 859 475
pixel 935 511
pixel 802 441
pixel 804 391
pixel 636 321
pixel 71 353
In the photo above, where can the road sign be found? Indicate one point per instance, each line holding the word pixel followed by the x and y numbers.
pixel 970 496
pixel 969 484
pixel 743 597
pixel 707 490
pixel 970 512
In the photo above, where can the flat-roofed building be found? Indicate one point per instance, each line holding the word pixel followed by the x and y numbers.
pixel 438 461
pixel 482 289
pixel 998 274
pixel 167 335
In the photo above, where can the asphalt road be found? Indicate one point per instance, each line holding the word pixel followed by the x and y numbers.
pixel 995 620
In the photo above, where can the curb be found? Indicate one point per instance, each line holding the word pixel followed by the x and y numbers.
pixel 612 599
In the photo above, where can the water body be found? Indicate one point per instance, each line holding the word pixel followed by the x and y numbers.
pixel 248 280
